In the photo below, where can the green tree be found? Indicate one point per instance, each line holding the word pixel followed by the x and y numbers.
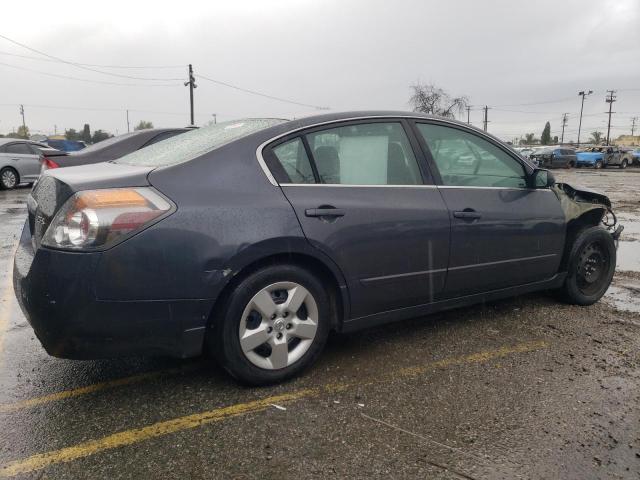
pixel 596 137
pixel 433 100
pixel 545 138
pixel 99 135
pixel 71 134
pixel 143 125
pixel 86 133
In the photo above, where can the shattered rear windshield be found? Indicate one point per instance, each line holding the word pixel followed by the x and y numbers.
pixel 190 145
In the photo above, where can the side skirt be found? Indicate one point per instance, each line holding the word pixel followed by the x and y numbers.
pixel 419 310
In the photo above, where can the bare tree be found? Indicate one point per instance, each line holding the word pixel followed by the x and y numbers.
pixel 428 98
pixel 596 137
pixel 529 139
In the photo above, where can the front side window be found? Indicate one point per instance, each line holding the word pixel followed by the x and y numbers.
pixel 364 154
pixel 465 159
pixel 293 159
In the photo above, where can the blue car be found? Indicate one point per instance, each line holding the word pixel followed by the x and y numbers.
pixel 590 159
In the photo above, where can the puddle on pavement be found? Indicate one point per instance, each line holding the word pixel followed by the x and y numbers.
pixel 628 257
pixel 631 225
pixel 624 295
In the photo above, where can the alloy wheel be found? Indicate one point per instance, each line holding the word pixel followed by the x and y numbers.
pixel 278 325
pixel 8 179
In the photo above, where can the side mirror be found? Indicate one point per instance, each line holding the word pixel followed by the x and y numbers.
pixel 542 178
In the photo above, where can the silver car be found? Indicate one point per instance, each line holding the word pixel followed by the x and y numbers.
pixel 19 162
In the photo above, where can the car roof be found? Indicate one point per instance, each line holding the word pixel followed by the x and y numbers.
pixel 9 140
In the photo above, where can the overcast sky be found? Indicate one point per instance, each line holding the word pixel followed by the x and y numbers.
pixel 517 57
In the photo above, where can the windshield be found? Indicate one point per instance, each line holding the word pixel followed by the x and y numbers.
pixel 190 145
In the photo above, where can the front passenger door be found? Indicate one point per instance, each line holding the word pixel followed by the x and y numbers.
pixel 503 233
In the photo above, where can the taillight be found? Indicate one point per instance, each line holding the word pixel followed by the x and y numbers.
pixel 94 219
pixel 47 164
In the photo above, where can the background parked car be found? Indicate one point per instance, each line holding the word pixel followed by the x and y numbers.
pixel 65 145
pixel 555 157
pixel 635 155
pixel 116 147
pixel 20 161
pixel 602 156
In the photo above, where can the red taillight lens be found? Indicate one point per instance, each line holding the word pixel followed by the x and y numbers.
pixel 47 163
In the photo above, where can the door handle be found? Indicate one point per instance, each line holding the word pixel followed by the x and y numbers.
pixel 324 212
pixel 467 214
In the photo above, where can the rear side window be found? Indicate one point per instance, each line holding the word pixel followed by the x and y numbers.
pixel 293 159
pixel 465 159
pixel 196 143
pixel 364 154
pixel 19 148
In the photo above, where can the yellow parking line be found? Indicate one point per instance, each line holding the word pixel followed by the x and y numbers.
pixel 128 437
pixel 96 387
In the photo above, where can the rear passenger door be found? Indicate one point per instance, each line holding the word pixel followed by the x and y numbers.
pixel 503 233
pixel 25 159
pixel 362 198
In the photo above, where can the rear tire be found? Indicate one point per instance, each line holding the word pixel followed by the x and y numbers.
pixel 9 178
pixel 266 331
pixel 598 164
pixel 592 263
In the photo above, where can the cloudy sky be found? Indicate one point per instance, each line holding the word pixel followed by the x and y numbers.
pixel 526 60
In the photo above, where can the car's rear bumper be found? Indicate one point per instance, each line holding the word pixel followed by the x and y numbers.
pixel 56 292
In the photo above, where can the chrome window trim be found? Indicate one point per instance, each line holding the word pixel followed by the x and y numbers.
pixel 272 179
pixel 354 185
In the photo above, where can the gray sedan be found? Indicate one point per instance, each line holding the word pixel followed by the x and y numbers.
pixel 19 162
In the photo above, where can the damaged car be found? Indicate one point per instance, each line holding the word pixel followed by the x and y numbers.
pixel 253 239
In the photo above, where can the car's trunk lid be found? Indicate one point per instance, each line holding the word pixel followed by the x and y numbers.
pixel 55 186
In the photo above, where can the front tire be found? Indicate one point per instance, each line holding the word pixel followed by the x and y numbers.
pixel 592 263
pixel 9 178
pixel 274 324
pixel 598 164
pixel 623 164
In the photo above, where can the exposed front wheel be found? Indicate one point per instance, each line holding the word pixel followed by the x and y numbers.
pixel 8 178
pixel 592 263
pixel 623 164
pixel 275 324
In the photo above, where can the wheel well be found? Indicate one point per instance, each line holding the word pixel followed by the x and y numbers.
pixel 592 218
pixel 309 263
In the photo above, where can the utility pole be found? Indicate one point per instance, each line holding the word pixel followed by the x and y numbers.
pixel 468 114
pixel 633 125
pixel 564 124
pixel 55 129
pixel 582 94
pixel 192 84
pixel 128 121
pixel 24 125
pixel 610 99
pixel 486 119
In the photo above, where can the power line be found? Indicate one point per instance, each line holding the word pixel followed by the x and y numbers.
pixel 101 82
pixel 141 67
pixel 77 65
pixel 260 94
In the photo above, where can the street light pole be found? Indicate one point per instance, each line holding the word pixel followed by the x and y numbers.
pixel 582 94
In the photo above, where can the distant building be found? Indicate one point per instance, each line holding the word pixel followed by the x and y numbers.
pixel 628 140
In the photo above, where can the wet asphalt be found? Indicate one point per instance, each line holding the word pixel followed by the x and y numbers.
pixel 521 388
